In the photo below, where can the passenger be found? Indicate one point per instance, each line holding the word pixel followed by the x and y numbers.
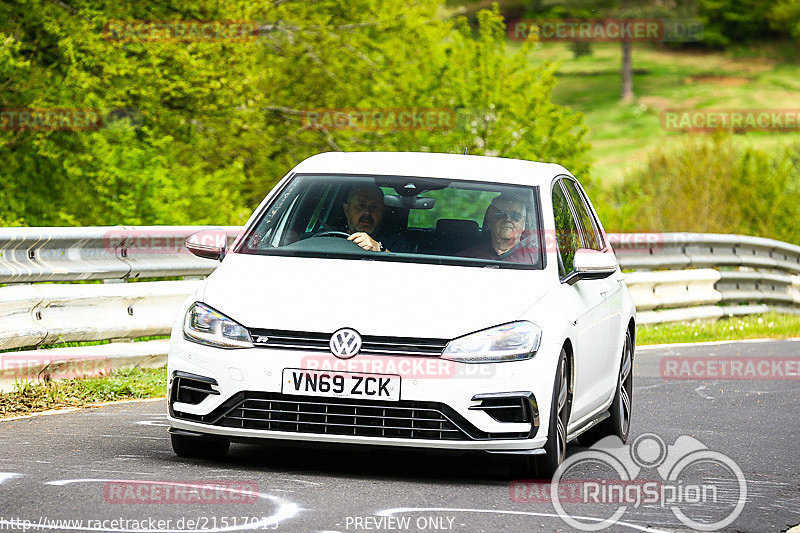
pixel 505 220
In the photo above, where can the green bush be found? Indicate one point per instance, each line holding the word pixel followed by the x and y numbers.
pixel 711 185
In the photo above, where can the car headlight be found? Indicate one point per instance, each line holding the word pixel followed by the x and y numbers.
pixel 509 342
pixel 204 325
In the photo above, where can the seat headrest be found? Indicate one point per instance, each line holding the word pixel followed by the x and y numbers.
pixel 457 226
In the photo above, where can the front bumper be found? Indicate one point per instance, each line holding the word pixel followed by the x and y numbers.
pixel 254 375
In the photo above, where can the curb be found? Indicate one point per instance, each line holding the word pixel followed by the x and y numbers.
pixel 79 408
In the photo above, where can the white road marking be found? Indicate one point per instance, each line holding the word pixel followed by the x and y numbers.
pixel 15 460
pixel 390 512
pixel 134 437
pixel 701 391
pixel 5 476
pixel 106 471
pixel 649 347
pixel 159 419
pixel 306 482
pixel 285 510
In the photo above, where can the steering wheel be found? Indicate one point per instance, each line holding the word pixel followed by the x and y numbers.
pixel 333 234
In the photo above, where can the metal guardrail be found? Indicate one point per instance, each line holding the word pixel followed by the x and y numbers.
pixel 100 253
pixel 33 315
pixel 676 276
pixel 686 276
pixel 671 251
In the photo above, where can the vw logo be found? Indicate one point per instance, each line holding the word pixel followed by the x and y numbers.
pixel 345 343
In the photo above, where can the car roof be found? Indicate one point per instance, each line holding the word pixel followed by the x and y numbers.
pixel 432 165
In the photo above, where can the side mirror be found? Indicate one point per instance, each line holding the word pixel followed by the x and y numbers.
pixel 208 243
pixel 591 264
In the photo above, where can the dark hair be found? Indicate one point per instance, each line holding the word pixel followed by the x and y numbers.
pixel 365 187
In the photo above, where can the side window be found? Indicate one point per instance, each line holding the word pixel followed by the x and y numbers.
pixel 588 230
pixel 567 236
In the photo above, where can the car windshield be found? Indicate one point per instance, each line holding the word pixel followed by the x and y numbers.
pixel 407 219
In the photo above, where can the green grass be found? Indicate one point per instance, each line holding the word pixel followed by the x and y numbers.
pixel 622 135
pixel 130 384
pixel 81 343
pixel 770 325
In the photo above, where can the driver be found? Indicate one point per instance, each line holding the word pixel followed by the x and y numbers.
pixel 364 211
pixel 506 220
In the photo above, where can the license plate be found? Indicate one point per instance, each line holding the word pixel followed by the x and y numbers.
pixel 341 384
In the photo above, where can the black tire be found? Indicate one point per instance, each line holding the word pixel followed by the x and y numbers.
pixel 619 421
pixel 199 447
pixel 544 466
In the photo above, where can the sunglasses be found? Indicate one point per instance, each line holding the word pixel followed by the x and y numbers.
pixel 498 214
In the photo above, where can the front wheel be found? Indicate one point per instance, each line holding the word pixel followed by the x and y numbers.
pixel 619 421
pixel 199 447
pixel 544 466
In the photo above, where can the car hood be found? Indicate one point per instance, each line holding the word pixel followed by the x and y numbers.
pixel 373 297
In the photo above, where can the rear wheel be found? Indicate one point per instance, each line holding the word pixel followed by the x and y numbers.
pixel 544 466
pixel 199 447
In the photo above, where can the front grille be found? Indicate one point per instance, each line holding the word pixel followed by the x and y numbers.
pixel 341 416
pixel 338 418
pixel 370 345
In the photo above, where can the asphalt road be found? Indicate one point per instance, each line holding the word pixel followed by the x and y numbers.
pixel 112 469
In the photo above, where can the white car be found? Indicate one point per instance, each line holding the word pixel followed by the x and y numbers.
pixel 412 300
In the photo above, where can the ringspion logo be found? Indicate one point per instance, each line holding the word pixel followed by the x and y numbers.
pixel 705 490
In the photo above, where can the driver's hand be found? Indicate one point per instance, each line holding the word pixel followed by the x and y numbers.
pixel 365 241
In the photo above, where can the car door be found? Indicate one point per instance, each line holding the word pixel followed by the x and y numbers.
pixel 586 302
pixel 609 287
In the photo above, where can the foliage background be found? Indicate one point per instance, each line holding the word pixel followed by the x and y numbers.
pixel 197 133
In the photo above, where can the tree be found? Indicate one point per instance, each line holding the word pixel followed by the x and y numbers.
pixel 198 132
